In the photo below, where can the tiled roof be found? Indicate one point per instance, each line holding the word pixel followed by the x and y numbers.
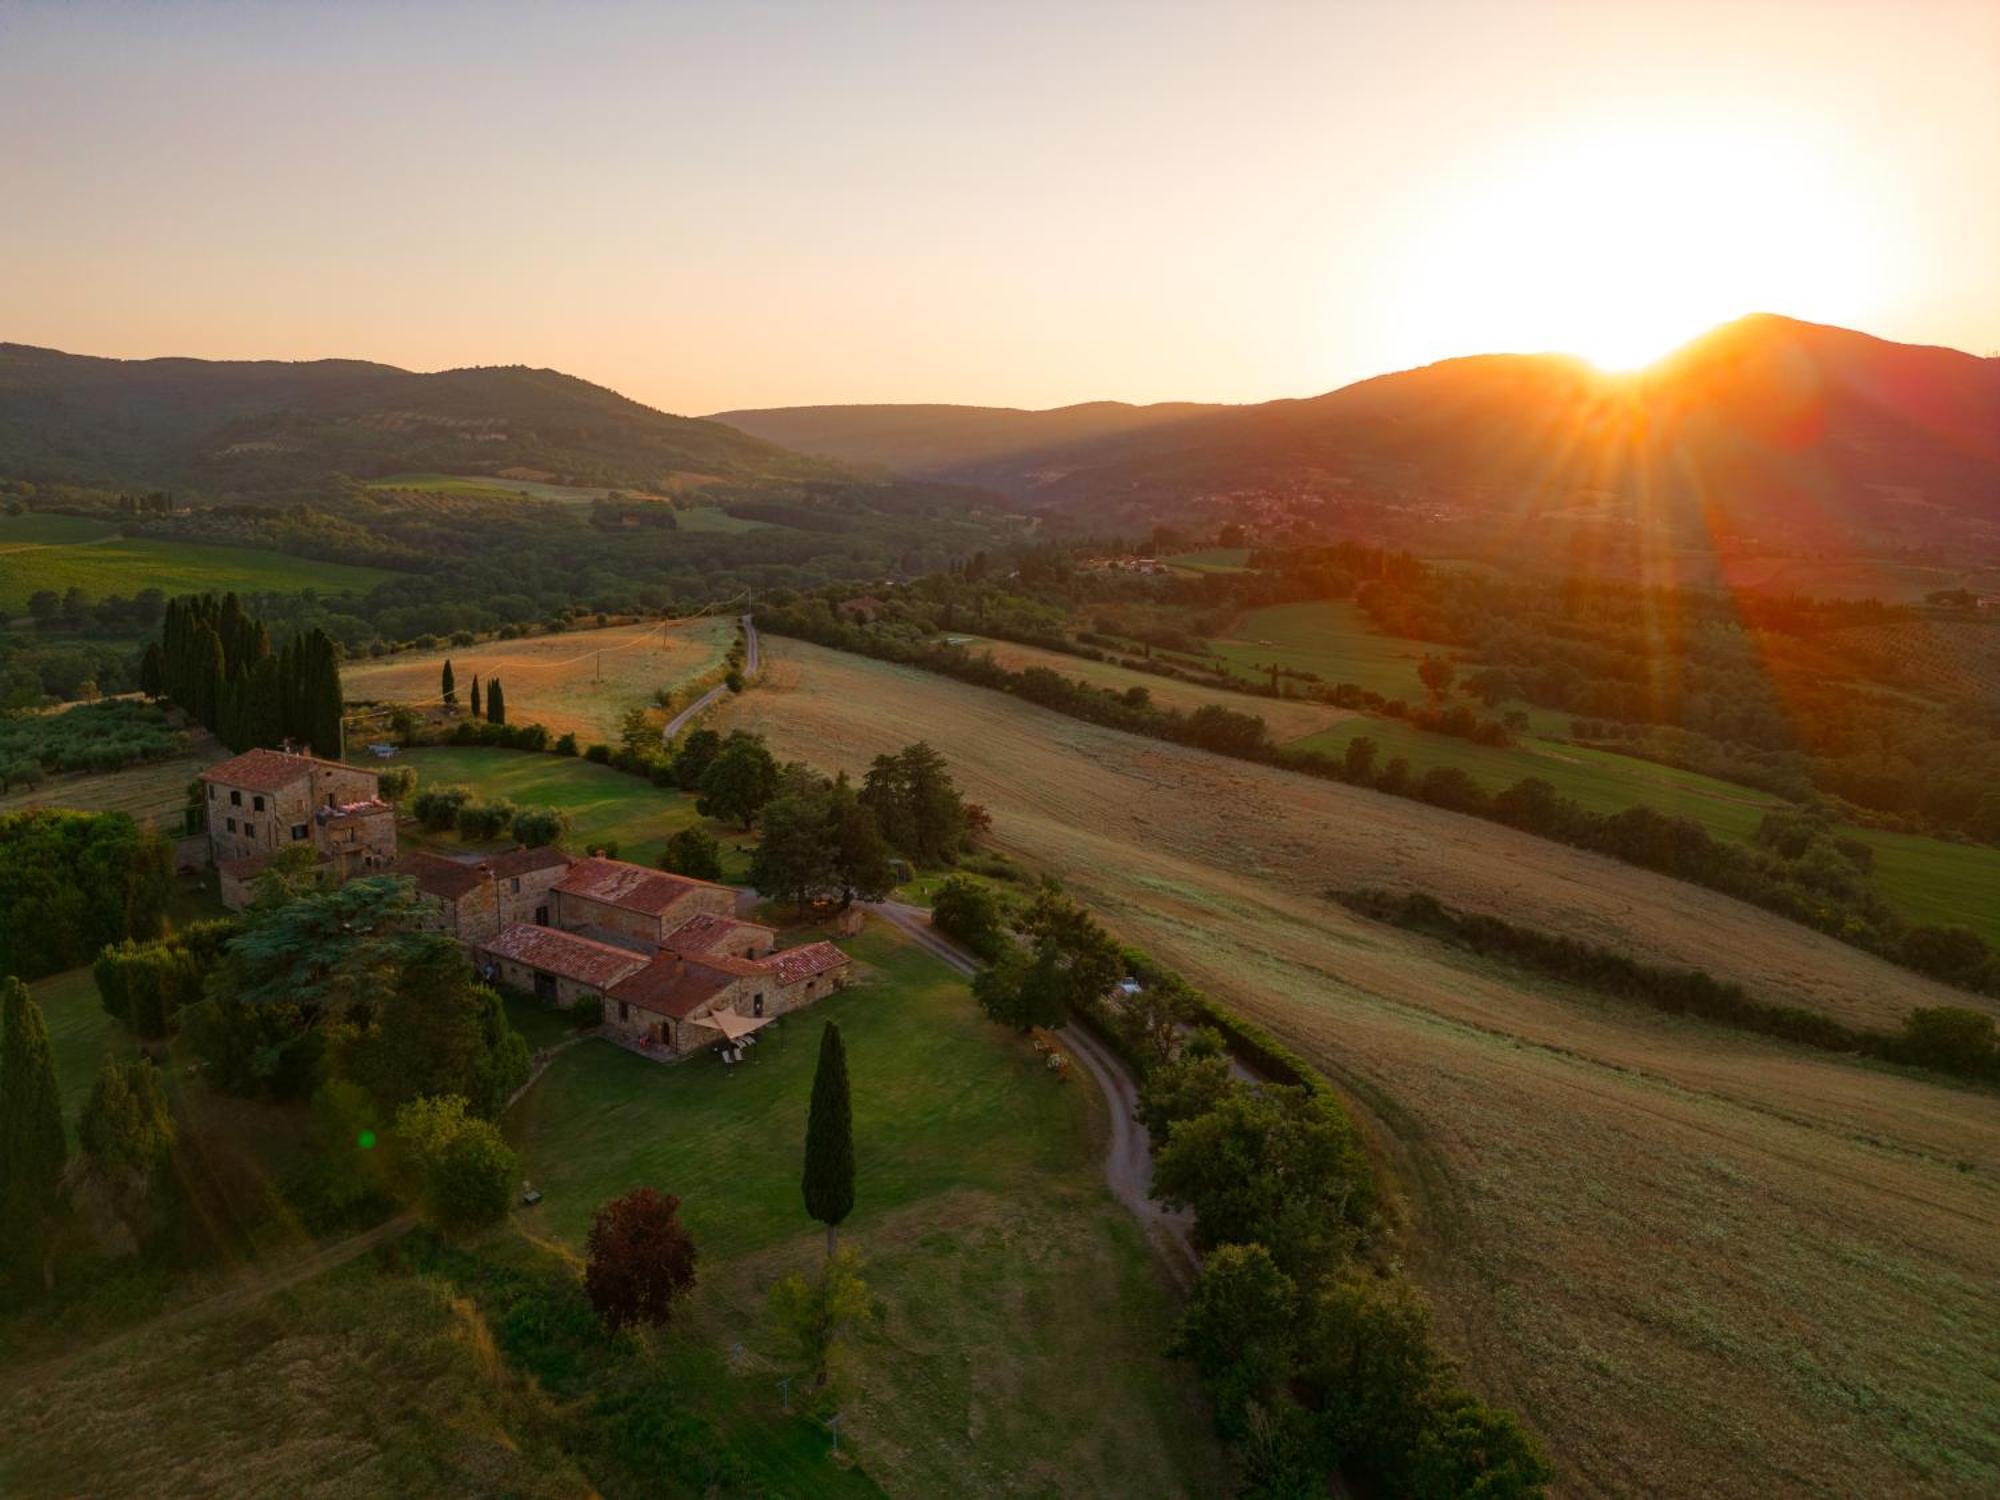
pixel 795 964
pixel 630 887
pixel 526 861
pixel 554 951
pixel 672 987
pixel 705 930
pixel 447 879
pixel 268 770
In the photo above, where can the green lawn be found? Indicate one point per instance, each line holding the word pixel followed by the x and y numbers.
pixel 33 558
pixel 1329 636
pixel 1019 1316
pixel 51 531
pixel 1929 880
pixel 80 1032
pixel 1214 560
pixel 603 804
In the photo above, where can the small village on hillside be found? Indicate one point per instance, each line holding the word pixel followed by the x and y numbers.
pixel 673 965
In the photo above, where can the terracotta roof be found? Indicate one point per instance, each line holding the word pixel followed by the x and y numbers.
pixel 261 770
pixel 525 861
pixel 447 879
pixel 813 959
pixel 672 987
pixel 705 930
pixel 554 951
pixel 630 887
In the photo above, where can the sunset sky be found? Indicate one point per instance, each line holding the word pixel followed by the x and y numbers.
pixel 1027 203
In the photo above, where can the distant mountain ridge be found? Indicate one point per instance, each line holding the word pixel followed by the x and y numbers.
pixel 261 426
pixel 1774 421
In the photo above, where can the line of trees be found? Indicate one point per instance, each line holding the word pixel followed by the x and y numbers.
pixel 1948 1038
pixel 1823 889
pixel 215 662
pixel 1313 1348
pixel 71 882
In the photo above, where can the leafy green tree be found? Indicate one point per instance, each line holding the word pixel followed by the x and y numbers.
pixel 860 856
pixel 694 853
pixel 828 1182
pixel 540 826
pixel 1358 763
pixel 1472 1451
pixel 1365 1354
pixel 1023 990
pixel 794 861
pixel 1436 673
pixel 465 1173
pixel 1238 1330
pixel 818 1315
pixel 1275 1166
pixel 967 912
pixel 127 1133
pixel 740 781
pixel 32 1147
pixel 430 1033
pixel 1953 1038
pixel 1077 955
pixel 916 804
pixel 697 752
pixel 1191 1085
pixel 639 1258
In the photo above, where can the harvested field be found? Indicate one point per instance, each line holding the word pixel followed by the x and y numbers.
pixel 1289 720
pixel 155 792
pixel 1699 1262
pixel 555 679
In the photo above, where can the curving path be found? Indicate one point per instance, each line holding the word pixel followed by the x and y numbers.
pixel 1128 1159
pixel 680 720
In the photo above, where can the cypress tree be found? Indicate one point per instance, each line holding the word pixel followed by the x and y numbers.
pixel 152 671
pixel 32 1148
pixel 496 703
pixel 450 684
pixel 263 710
pixel 475 695
pixel 829 1174
pixel 206 676
pixel 319 671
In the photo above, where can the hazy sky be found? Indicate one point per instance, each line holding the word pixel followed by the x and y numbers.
pixel 1027 203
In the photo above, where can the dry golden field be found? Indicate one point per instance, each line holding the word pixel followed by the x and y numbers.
pixel 581 682
pixel 1289 719
pixel 1699 1262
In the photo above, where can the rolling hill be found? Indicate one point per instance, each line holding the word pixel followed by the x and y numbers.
pixel 250 427
pixel 1787 430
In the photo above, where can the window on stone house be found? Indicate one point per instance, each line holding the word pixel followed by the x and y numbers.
pixel 256 804
pixel 249 830
pixel 624 1011
pixel 298 832
pixel 232 824
pixel 517 885
pixel 235 799
pixel 757 1004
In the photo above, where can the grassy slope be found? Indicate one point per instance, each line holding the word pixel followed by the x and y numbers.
pixel 580 682
pixel 351 1385
pixel 1929 880
pixel 1700 1263
pixel 121 566
pixel 1021 1322
pixel 80 1032
pixel 603 804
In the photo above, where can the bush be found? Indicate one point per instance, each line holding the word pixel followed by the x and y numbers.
pixel 436 808
pixel 966 911
pixel 540 826
pixel 481 821
pixel 598 755
pixel 693 853
pixel 588 1013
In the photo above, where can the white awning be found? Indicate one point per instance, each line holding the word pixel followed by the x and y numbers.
pixel 733 1026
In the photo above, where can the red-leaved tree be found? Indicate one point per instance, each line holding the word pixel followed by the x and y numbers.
pixel 640 1257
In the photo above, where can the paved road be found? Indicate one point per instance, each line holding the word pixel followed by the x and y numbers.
pixel 680 720
pixel 1128 1162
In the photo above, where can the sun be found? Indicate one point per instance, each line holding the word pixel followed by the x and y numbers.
pixel 1623 246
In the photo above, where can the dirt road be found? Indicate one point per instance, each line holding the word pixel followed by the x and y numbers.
pixel 680 720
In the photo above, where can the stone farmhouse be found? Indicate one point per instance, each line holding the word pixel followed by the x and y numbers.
pixel 265 801
pixel 674 966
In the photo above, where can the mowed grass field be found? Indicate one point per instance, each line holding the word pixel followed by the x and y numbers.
pixel 1928 880
pixel 604 805
pixel 580 682
pixel 155 792
pixel 1288 719
pixel 57 552
pixel 488 486
pixel 1021 1319
pixel 1698 1262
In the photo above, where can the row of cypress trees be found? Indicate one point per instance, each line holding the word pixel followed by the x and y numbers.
pixel 216 662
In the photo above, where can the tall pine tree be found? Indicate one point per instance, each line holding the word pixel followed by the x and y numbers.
pixel 32 1148
pixel 829 1174
pixel 449 685
pixel 496 703
pixel 475 695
